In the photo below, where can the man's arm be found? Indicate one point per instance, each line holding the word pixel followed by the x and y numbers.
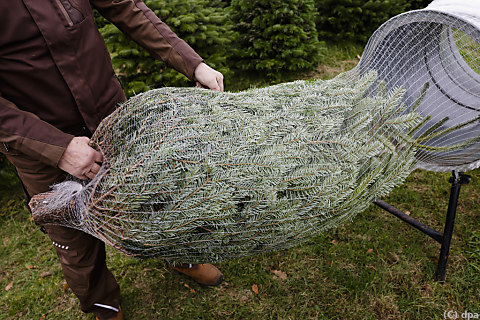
pixel 141 24
pixel 26 133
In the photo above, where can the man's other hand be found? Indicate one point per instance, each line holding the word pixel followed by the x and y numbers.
pixel 81 160
pixel 208 78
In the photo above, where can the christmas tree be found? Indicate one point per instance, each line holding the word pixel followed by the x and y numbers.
pixel 193 175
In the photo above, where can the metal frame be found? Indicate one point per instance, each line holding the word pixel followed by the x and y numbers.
pixel 457 180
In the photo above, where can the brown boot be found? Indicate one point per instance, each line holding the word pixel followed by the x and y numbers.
pixel 204 274
pixel 119 316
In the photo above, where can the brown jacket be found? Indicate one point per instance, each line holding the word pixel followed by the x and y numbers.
pixel 56 76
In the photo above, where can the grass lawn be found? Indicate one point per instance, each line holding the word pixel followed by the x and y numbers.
pixel 374 267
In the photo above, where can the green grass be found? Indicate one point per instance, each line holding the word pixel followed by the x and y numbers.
pixel 374 267
pixel 468 49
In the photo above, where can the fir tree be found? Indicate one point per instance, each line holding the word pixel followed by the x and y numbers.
pixel 194 175
pixel 356 20
pixel 275 37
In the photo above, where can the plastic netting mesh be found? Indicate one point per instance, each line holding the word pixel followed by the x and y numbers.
pixel 194 176
pixel 439 46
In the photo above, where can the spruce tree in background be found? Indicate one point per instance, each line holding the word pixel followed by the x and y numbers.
pixel 201 23
pixel 417 4
pixel 355 20
pixel 275 37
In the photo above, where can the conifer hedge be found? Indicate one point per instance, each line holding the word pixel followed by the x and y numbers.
pixel 275 36
pixel 356 20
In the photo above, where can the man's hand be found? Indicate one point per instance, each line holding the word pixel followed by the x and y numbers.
pixel 208 78
pixel 81 160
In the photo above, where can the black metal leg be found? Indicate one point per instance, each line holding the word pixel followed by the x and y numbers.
pixel 444 239
pixel 437 236
pixel 457 180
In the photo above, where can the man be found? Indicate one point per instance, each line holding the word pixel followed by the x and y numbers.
pixel 56 85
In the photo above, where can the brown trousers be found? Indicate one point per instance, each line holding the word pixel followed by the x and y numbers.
pixel 81 255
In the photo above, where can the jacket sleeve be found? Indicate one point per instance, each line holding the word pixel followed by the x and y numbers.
pixel 141 24
pixel 25 133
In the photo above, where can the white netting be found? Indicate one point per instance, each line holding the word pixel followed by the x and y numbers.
pixel 440 46
pixel 193 175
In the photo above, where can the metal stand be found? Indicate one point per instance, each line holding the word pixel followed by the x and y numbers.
pixel 457 180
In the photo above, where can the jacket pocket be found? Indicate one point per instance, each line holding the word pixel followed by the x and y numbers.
pixel 71 14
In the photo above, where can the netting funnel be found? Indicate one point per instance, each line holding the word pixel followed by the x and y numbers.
pixel 438 45
pixel 193 175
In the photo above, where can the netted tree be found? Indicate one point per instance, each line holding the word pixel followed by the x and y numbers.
pixel 194 175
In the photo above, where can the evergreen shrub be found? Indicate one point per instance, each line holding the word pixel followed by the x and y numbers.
pixel 275 37
pixel 417 4
pixel 355 20
pixel 201 23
